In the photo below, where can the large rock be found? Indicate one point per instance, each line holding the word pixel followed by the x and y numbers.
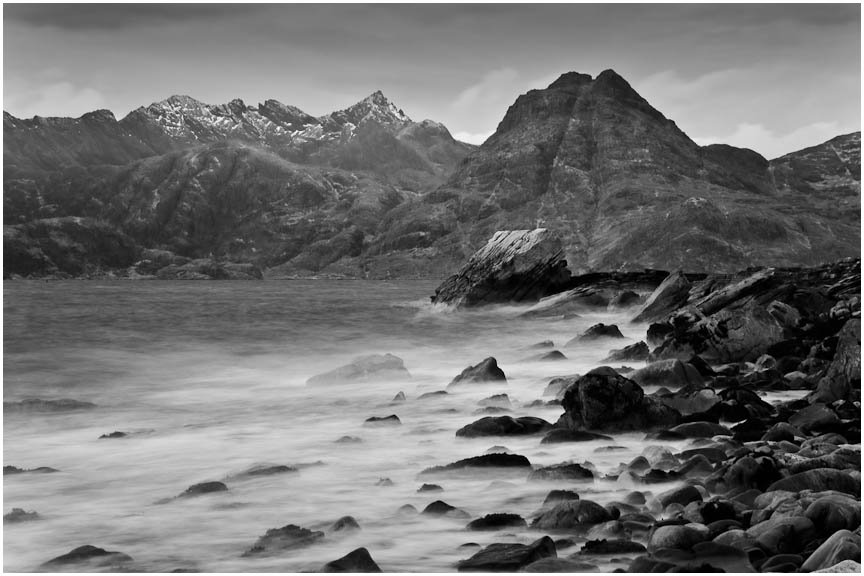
pixel 504 426
pixel 508 557
pixel 514 266
pixel 666 298
pixel 844 373
pixel 572 514
pixel 85 556
pixel 285 538
pixel 485 371
pixel 672 373
pixel 819 480
pixel 603 400
pixel 371 368
pixel 495 460
pixel 358 560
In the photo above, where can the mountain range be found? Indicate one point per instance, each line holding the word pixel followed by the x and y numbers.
pixel 368 192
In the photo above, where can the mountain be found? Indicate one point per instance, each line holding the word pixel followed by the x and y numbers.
pixel 626 189
pixel 366 191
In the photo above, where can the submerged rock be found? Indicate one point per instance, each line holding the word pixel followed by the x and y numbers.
pixel 503 426
pixel 86 555
pixel 497 522
pixel 485 371
pixel 559 435
pixel 572 514
pixel 19 515
pixel 371 368
pixel 391 420
pixel 514 266
pixel 596 332
pixel 566 471
pixel 493 460
pixel 264 470
pixel 633 353
pixel 7 470
pixel 203 488
pixel 115 434
pixel 286 538
pixel 508 557
pixel 357 561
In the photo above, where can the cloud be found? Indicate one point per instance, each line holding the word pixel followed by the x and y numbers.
pixel 45 100
pixel 771 144
pixel 472 137
pixel 113 16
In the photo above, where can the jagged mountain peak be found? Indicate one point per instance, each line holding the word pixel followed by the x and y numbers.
pixel 570 80
pixel 375 108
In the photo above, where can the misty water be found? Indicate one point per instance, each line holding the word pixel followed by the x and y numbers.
pixel 210 378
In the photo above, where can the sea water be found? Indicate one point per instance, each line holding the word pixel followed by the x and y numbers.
pixel 209 379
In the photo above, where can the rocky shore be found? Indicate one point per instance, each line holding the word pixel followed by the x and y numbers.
pixel 727 481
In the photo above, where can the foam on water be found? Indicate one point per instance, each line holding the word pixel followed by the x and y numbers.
pixel 212 376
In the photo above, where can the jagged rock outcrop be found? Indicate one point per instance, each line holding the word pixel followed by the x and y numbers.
pixel 514 266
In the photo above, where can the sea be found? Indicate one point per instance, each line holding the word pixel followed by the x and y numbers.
pixel 209 378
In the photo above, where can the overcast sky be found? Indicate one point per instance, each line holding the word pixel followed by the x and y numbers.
pixel 774 78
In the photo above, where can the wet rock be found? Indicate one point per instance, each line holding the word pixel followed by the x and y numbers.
pixel 115 434
pixel 264 470
pixel 501 400
pixel 572 514
pixel 781 431
pixel 485 371
pixel 203 488
pixel 349 440
pixel 430 488
pixel 8 470
pixel 597 332
pixel 814 417
pixel 566 471
pixel 666 298
pixel 560 435
pixel 19 515
pixel 399 397
pixel 834 512
pixel 356 561
pixel 286 538
pixel 503 426
pixel 494 460
pixel 672 373
pixel 86 555
pixel 39 405
pixel 344 524
pixel 840 546
pixel 605 401
pixel 557 386
pixel 691 403
pixel 611 547
pixel 676 537
pixel 783 534
pixel 625 299
pixel 555 496
pixel 371 368
pixel 843 376
pixel 497 522
pixel 683 495
pixel 819 480
pixel 633 353
pixel 441 508
pixel 514 266
pixel 435 394
pixel 508 557
pixel 392 420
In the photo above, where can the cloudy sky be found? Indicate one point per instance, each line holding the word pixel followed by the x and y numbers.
pixel 774 78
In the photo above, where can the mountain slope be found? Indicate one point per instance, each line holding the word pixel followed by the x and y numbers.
pixel 626 189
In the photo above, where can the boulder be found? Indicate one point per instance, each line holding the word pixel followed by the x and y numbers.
pixel 86 555
pixel 672 373
pixel 572 514
pixel 513 266
pixel 441 508
pixel 391 420
pixel 371 368
pixel 514 462
pixel 501 400
pixel 592 547
pixel 625 299
pixel 559 565
pixel 605 401
pixel 666 298
pixel 356 561
pixel 555 496
pixel 783 534
pixel 567 471
pixel 285 538
pixel 557 386
pixel 508 557
pixel 485 371
pixel 844 567
pixel 814 417
pixel 683 495
pixel 633 353
pixel 503 426
pixel 597 332
pixel 344 524
pixel 497 522
pixel 681 537
pixel 819 480
pixel 834 512
pixel 843 377
pixel 701 430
